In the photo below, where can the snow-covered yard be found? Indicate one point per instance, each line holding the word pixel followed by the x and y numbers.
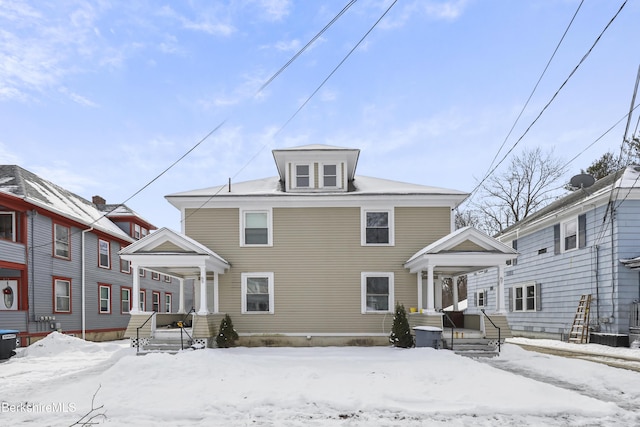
pixel 53 381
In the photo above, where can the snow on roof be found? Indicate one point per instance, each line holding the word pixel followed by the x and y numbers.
pixel 40 192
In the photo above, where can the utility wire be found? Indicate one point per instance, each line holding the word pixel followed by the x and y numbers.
pixel 549 102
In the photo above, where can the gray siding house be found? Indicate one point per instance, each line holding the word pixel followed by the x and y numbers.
pixel 586 243
pixel 59 263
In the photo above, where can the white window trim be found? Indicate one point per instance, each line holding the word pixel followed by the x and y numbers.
pixel 338 166
pixel 363 292
pixel 168 302
pixel 562 235
pixel 363 226
pixel 155 294
pixel 128 300
pixel 142 300
pixel 524 287
pixel 55 241
pixel 57 309
pixel 482 292
pixel 270 278
pixel 128 264
pixel 108 266
pixel 294 171
pixel 100 299
pixel 13 225
pixel 269 213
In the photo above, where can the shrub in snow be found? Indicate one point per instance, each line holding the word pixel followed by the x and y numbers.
pixel 400 331
pixel 227 335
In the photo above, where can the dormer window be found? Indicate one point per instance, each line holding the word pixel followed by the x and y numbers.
pixel 303 177
pixel 329 175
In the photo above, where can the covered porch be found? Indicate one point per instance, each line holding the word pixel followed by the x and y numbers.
pixel 192 264
pixel 464 251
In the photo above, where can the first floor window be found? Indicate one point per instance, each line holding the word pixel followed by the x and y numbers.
pixel 167 302
pixel 125 300
pixel 481 298
pixel 155 301
pixel 143 304
pixel 525 297
pixel 377 292
pixel 62 290
pixel 8 226
pixel 257 293
pixel 104 292
pixel 61 238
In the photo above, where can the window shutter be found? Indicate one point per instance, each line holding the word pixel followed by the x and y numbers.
pixel 538 297
pixel 514 245
pixel 556 239
pixel 485 298
pixel 475 299
pixel 510 299
pixel 582 231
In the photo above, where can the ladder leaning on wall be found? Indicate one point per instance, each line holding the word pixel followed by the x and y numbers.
pixel 580 329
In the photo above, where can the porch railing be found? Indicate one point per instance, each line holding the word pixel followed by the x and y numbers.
pixel 453 326
pixel 634 320
pixel 495 326
pixel 183 331
pixel 138 331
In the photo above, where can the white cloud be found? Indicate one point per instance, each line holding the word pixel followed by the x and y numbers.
pixel 286 46
pixel 7 157
pixel 275 10
pixel 62 174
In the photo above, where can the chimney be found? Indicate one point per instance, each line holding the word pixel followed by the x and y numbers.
pixel 97 200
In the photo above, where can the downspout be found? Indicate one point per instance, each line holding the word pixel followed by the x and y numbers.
pixel 84 308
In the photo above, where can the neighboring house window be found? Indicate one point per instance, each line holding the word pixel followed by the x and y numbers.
pixel 155 275
pixel 136 231
pixel 62 292
pixel 481 299
pixel 104 292
pixel 167 302
pixel 125 300
pixel 8 226
pixel 377 227
pixel 144 231
pixel 526 297
pixel 125 266
pixel 142 272
pixel 61 238
pixel 257 293
pixel 303 176
pixel 377 292
pixel 104 259
pixel 329 175
pixel 570 234
pixel 167 278
pixel 155 301
pixel 143 303
pixel 256 228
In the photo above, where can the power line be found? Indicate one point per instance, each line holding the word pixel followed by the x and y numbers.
pixel 550 101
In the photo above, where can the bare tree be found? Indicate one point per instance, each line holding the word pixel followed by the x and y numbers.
pixel 530 182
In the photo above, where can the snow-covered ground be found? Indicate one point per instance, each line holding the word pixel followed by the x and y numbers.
pixel 53 382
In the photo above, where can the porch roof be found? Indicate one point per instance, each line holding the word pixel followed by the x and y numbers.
pixel 463 251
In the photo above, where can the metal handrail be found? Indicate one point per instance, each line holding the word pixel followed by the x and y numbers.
pixel 138 331
pixel 453 326
pixel 494 325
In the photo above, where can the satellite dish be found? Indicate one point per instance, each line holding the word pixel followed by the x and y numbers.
pixel 582 180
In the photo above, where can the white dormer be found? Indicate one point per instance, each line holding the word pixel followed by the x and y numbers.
pixel 316 168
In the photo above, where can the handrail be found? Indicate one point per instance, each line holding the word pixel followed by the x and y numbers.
pixel 453 325
pixel 181 326
pixel 494 325
pixel 138 331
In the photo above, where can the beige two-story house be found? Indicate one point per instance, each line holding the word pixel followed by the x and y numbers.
pixel 316 255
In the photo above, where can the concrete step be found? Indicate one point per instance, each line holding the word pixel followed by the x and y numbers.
pixel 474 347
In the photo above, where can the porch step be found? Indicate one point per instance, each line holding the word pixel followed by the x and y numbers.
pixel 166 341
pixel 473 347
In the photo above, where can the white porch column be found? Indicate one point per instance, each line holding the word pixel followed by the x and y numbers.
pixel 420 305
pixel 135 298
pixel 430 293
pixel 438 293
pixel 181 297
pixel 204 310
pixel 454 289
pixel 216 307
pixel 500 292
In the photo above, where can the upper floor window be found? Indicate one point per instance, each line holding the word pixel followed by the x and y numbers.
pixel 257 293
pixel 256 228
pixel 104 252
pixel 136 231
pixel 303 176
pixel 62 292
pixel 8 226
pixel 571 234
pixel 377 227
pixel 329 175
pixel 377 292
pixel 125 266
pixel 61 239
pixel 155 275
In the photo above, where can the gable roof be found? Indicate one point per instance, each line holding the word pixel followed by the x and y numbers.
pixel 37 191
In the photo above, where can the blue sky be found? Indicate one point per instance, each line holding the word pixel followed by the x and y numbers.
pixel 100 97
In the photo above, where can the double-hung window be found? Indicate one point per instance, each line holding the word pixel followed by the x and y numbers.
pixel 570 235
pixel 8 226
pixel 125 266
pixel 62 292
pixel 377 227
pixel 526 297
pixel 104 252
pixel 61 239
pixel 257 293
pixel 481 299
pixel 256 228
pixel 377 292
pixel 155 301
pixel 303 176
pixel 104 295
pixel 167 302
pixel 329 176
pixel 125 300
pixel 142 302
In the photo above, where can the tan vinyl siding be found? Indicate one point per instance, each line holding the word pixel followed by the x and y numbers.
pixel 468 246
pixel 167 247
pixel 317 261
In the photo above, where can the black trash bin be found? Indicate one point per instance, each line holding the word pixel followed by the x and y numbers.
pixel 428 336
pixel 7 343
